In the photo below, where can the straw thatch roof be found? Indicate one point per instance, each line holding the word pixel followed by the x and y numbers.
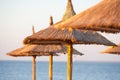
pixel 112 50
pixel 69 11
pixel 75 36
pixel 41 50
pixel 105 16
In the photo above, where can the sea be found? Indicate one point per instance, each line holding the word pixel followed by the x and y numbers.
pixel 22 70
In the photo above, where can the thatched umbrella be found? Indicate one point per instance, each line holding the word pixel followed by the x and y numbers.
pixel 68 37
pixel 105 17
pixel 112 50
pixel 41 50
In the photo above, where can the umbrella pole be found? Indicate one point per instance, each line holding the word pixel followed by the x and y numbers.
pixel 34 68
pixel 50 66
pixel 69 62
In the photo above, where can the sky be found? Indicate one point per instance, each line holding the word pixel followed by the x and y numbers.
pixel 18 16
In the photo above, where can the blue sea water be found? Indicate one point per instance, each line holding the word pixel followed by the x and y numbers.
pixel 21 70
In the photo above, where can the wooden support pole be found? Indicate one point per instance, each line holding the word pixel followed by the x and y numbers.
pixel 50 66
pixel 51 57
pixel 69 62
pixel 34 68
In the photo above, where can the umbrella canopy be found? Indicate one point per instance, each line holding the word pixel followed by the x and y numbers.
pixel 112 50
pixel 40 50
pixel 105 16
pixel 74 36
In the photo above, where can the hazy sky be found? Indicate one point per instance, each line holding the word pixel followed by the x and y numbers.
pixel 18 16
